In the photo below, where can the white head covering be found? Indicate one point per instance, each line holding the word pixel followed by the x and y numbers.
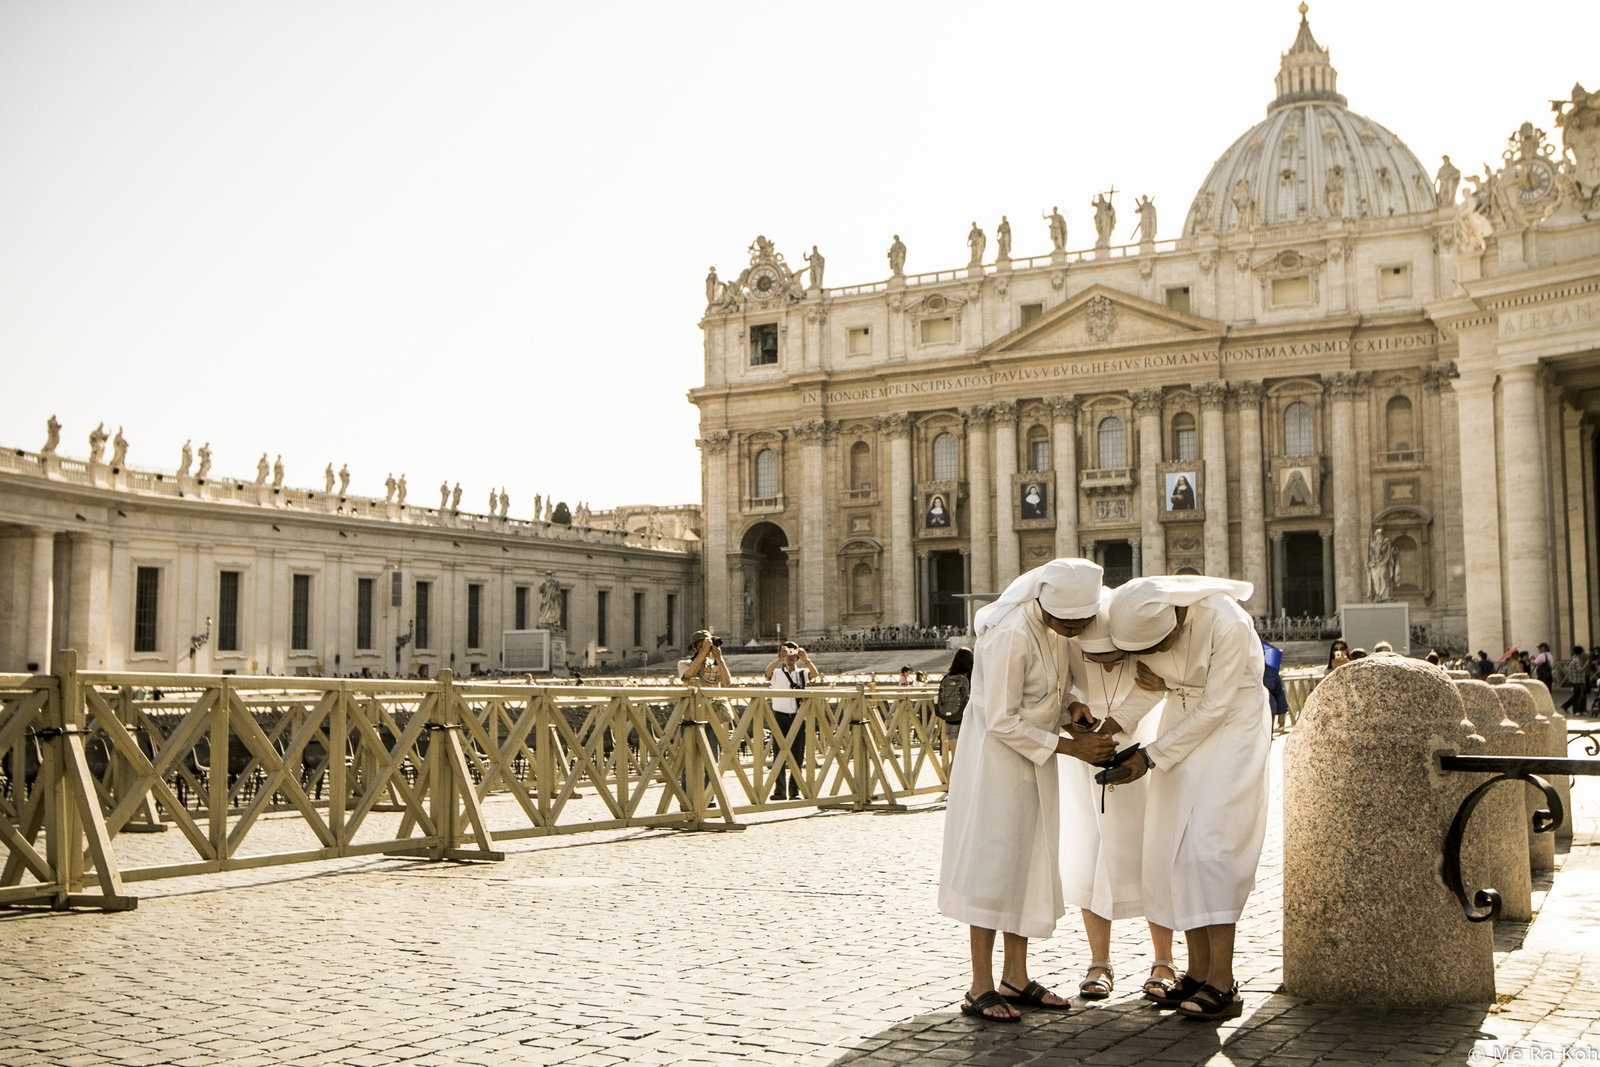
pixel 1096 637
pixel 1142 610
pixel 1066 588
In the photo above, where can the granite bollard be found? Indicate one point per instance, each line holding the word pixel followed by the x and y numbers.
pixel 1367 916
pixel 1558 748
pixel 1521 709
pixel 1495 848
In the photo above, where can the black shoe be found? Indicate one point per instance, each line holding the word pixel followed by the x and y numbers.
pixel 794 793
pixel 777 794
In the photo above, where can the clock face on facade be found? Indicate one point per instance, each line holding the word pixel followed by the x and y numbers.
pixel 764 281
pixel 1532 187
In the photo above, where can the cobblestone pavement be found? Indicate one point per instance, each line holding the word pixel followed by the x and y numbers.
pixel 810 938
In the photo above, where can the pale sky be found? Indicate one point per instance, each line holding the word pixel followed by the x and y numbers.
pixel 467 240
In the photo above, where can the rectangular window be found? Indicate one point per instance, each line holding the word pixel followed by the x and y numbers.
pixel 396 588
pixel 521 608
pixel 1287 292
pixel 861 341
pixel 638 619
pixel 365 591
pixel 937 331
pixel 1178 298
pixel 1394 281
pixel 602 605
pixel 146 604
pixel 300 613
pixel 564 624
pixel 1031 313
pixel 474 615
pixel 764 344
pixel 1185 441
pixel 1039 455
pixel 672 620
pixel 421 637
pixel 228 611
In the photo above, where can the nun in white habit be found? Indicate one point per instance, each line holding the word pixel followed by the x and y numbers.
pixel 1000 868
pixel 1206 814
pixel 1102 831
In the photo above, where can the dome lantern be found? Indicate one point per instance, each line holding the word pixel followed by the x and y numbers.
pixel 1305 72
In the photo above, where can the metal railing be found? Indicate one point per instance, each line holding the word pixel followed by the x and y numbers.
pixel 436 769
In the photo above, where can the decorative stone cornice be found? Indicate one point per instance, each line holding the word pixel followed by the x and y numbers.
pixel 1005 412
pixel 1344 385
pixel 1147 401
pixel 1213 394
pixel 978 416
pixel 716 442
pixel 810 431
pixel 1063 407
pixel 1434 375
pixel 1248 394
pixel 897 424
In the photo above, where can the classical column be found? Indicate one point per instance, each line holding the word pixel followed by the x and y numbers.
pixel 1007 555
pixel 1278 563
pixel 1528 562
pixel 980 506
pixel 1252 517
pixel 714 459
pixel 792 559
pixel 924 590
pixel 966 586
pixel 897 428
pixel 41 600
pixel 1330 606
pixel 1133 544
pixel 1573 522
pixel 1214 453
pixel 1586 610
pixel 813 527
pixel 1348 540
pixel 1147 404
pixel 1480 505
pixel 1064 458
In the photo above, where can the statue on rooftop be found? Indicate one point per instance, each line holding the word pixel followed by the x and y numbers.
pixel 52 437
pixel 977 242
pixel 494 501
pixel 712 285
pixel 444 496
pixel 538 500
pixel 1105 218
pixel 389 486
pixel 327 479
pixel 897 258
pixel 816 263
pixel 344 479
pixel 277 472
pixel 1058 230
pixel 400 491
pixel 1146 230
pixel 119 449
pixel 97 443
pixel 455 498
pixel 205 461
pixel 263 470
pixel 185 460
pixel 1449 179
pixel 505 502
pixel 1002 238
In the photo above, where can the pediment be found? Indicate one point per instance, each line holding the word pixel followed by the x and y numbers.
pixel 1102 317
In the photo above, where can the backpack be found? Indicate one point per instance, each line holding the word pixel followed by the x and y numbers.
pixel 952 699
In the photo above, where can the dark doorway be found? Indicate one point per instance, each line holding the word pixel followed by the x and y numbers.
pixel 1302 573
pixel 762 607
pixel 1116 559
pixel 949 581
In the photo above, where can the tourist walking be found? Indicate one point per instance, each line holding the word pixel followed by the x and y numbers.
pixel 954 690
pixel 792 669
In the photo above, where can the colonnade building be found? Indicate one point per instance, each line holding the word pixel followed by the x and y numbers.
pixel 141 570
pixel 1336 383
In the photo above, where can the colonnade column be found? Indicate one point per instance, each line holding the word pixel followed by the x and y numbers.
pixel 714 459
pixel 1528 566
pixel 901 561
pixel 1330 606
pixel 924 589
pixel 1252 517
pixel 41 600
pixel 1214 452
pixel 1348 540
pixel 1575 523
pixel 980 508
pixel 1137 557
pixel 812 614
pixel 1007 555
pixel 1480 507
pixel 1591 536
pixel 1064 458
pixel 1278 565
pixel 1153 539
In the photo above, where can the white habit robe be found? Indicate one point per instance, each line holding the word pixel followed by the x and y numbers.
pixel 1206 813
pixel 1000 869
pixel 1102 852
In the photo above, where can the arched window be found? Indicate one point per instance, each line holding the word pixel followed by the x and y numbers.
pixel 1298 439
pixel 946 458
pixel 766 474
pixel 860 467
pixel 1398 426
pixel 1038 449
pixel 1112 444
pixel 861 587
pixel 1183 437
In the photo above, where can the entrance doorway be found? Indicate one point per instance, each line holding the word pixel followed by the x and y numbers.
pixel 765 598
pixel 1116 559
pixel 1302 573
pixel 948 580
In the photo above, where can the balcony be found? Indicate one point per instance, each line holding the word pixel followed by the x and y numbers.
pixel 1103 480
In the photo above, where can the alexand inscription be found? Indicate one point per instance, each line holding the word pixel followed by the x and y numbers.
pixel 1341 346
pixel 1543 320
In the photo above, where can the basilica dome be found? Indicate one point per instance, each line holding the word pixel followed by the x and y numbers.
pixel 1311 158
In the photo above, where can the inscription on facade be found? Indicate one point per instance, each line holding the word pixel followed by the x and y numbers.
pixel 1339 346
pixel 1543 320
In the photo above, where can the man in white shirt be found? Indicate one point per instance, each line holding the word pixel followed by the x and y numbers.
pixel 792 669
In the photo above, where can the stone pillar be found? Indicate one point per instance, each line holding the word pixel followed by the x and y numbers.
pixel 1278 564
pixel 1134 543
pixel 1348 540
pixel 1214 451
pixel 966 582
pixel 1521 709
pixel 1575 524
pixel 814 500
pixel 1591 536
pixel 1064 457
pixel 897 428
pixel 1147 405
pixel 924 589
pixel 1528 567
pixel 1252 516
pixel 714 461
pixel 1495 839
pixel 1480 505
pixel 980 506
pixel 1330 606
pixel 792 624
pixel 1007 555
pixel 1366 917
pixel 41 601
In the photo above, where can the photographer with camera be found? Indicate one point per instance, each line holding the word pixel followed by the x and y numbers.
pixel 704 665
pixel 792 669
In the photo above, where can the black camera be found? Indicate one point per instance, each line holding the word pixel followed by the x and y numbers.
pixel 716 642
pixel 1115 769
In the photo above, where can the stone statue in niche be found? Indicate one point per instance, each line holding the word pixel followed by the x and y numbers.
pixel 897 257
pixel 205 461
pixel 816 264
pixel 1449 178
pixel 119 449
pixel 1382 563
pixel 52 437
pixel 1333 192
pixel 1002 238
pixel 1244 205
pixel 1146 229
pixel 97 443
pixel 977 242
pixel 1058 230
pixel 1105 218
pixel 186 460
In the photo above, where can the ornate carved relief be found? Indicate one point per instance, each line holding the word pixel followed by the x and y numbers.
pixel 1100 317
pixel 1062 407
pixel 897 424
pixel 978 416
pixel 1213 394
pixel 1147 401
pixel 1113 510
pixel 1004 412
pixel 1248 394
pixel 716 442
